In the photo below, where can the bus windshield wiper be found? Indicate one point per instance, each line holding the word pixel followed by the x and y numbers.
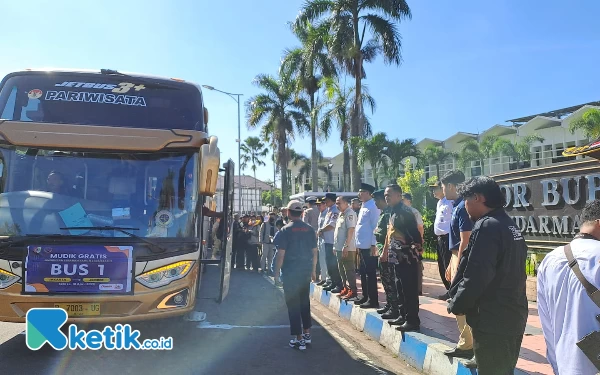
pixel 14 240
pixel 154 247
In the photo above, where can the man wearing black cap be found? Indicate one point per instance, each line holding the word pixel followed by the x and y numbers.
pixel 297 259
pixel 391 310
pixel 403 247
pixel 407 200
pixel 368 218
pixel 326 231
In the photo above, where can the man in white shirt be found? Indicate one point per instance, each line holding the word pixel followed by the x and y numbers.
pixel 566 311
pixel 441 228
pixel 367 246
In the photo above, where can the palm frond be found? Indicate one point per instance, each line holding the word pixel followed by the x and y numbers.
pixel 387 35
pixel 395 9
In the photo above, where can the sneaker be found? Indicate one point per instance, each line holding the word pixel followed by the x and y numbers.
pixel 344 292
pixel 307 338
pixel 298 344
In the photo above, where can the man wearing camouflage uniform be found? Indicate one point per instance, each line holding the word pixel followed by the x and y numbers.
pixel 388 274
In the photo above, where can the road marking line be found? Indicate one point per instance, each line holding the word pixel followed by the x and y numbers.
pixel 347 344
pixel 209 325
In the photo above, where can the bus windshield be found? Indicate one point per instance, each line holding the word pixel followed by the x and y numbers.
pixel 46 191
pixel 100 99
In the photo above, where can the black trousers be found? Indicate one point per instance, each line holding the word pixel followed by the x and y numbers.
pixel 332 266
pixel 443 258
pixel 407 275
pixel 388 279
pixel 368 275
pixel 496 354
pixel 240 255
pixel 297 298
pixel 318 270
pixel 252 259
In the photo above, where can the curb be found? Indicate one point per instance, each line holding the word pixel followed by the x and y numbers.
pixel 423 352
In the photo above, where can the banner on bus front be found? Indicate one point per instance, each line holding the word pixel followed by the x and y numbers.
pixel 82 269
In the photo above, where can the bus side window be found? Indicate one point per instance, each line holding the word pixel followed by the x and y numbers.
pixel 1 175
pixel 8 113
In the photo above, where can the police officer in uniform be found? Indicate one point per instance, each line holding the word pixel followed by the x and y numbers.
pixel 388 274
pixel 326 231
pixel 403 248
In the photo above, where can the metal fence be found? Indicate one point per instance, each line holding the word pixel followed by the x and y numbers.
pixel 530 264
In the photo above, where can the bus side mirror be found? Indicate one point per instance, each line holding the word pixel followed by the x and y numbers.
pixel 209 168
pixel 205 116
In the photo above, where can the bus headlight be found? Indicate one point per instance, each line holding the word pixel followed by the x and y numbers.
pixel 7 279
pixel 165 275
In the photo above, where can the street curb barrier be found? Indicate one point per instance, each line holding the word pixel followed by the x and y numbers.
pixel 423 352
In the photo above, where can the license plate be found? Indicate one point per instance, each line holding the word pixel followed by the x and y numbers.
pixel 80 309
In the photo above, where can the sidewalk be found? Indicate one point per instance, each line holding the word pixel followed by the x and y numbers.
pixel 439 332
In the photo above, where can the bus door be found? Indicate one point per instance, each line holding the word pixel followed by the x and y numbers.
pixel 227 227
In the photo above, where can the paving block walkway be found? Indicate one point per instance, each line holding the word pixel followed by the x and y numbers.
pixel 437 323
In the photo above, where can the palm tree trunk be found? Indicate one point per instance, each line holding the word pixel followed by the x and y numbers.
pixel 355 132
pixel 355 128
pixel 346 168
pixel 314 172
pixel 255 188
pixel 282 155
pixel 437 170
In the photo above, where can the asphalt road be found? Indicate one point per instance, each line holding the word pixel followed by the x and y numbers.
pixel 216 346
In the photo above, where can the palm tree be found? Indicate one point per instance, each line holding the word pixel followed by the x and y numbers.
pixel 589 124
pixel 371 150
pixel 306 164
pixel 253 151
pixel 340 101
pixel 436 155
pixel 519 151
pixel 473 150
pixel 352 46
pixel 396 151
pixel 281 115
pixel 307 65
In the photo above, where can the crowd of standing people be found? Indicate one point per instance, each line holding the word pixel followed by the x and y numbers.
pixel 481 260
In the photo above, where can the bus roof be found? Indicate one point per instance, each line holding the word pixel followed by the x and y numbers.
pixel 100 71
pixel 320 194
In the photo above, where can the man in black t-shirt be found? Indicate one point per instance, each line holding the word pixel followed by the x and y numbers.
pixel 297 259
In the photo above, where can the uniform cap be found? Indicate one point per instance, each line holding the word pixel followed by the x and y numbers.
pixel 379 194
pixel 331 196
pixel 311 200
pixel 367 187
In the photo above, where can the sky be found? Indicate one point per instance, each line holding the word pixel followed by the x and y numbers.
pixel 467 65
